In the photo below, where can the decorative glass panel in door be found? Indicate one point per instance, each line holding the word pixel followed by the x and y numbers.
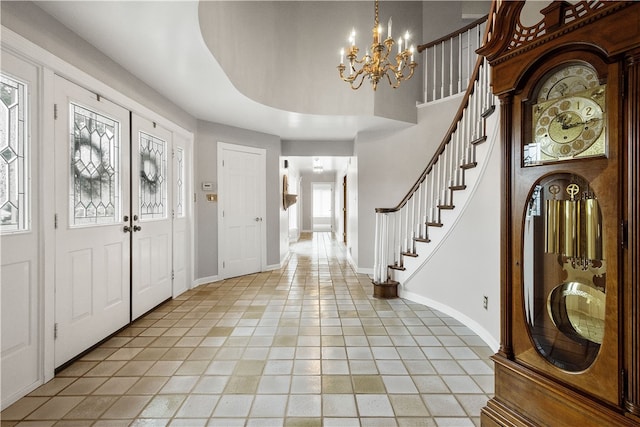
pixel 153 177
pixel 13 149
pixel 94 168
pixel 180 193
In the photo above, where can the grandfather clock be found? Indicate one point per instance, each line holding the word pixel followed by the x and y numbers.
pixel 569 88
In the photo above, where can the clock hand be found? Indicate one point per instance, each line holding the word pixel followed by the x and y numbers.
pixel 572 125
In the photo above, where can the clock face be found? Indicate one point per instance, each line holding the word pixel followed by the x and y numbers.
pixel 569 117
pixel 568 126
pixel 567 81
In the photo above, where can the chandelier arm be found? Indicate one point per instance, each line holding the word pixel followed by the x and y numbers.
pixel 359 84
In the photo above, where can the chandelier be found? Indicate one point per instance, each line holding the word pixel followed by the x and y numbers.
pixel 375 64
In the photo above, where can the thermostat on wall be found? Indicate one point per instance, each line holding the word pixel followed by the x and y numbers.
pixel 207 186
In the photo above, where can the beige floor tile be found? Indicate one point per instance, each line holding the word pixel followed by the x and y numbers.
pixel 91 407
pixel 83 386
pixel 303 345
pixel 163 406
pixel 368 384
pixel 22 408
pixel 105 368
pixel 116 386
pixel 53 387
pixel 148 385
pixel 126 407
pixel 134 368
pixel 55 408
pixel 164 368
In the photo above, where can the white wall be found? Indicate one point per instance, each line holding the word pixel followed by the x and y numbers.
pixel 465 267
pixel 389 164
pixel 206 222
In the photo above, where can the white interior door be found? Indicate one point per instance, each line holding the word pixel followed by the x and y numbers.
pixel 181 214
pixel 19 228
pixel 151 221
pixel 241 204
pixel 92 198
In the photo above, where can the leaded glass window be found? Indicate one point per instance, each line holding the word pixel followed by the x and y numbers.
pixel 94 192
pixel 14 215
pixel 179 182
pixel 153 184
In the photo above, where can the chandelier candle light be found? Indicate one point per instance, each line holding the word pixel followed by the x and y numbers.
pixel 376 65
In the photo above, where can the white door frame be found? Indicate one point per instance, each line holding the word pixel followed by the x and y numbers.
pixel 263 230
pixel 186 221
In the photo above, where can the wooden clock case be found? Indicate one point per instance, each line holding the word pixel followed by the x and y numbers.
pixel 529 390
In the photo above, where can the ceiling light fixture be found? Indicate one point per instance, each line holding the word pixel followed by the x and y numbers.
pixel 375 64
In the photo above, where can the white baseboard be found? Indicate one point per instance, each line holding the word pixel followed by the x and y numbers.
pixel 273 267
pixel 461 317
pixel 204 280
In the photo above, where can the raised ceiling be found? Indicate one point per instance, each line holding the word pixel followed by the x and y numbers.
pixel 160 42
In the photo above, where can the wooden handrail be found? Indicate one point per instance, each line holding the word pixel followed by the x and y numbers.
pixel 456 33
pixel 452 128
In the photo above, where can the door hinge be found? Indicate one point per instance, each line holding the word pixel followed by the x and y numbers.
pixel 222 214
pixel 55 111
pixel 223 163
pixel 173 153
pixel 55 331
pixel 173 275
pixel 223 265
pixel 55 221
pixel 173 214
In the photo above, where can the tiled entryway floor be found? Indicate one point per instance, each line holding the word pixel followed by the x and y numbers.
pixel 306 345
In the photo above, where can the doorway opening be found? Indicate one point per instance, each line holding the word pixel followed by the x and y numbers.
pixel 322 206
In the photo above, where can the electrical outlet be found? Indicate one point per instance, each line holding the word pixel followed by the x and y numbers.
pixel 485 302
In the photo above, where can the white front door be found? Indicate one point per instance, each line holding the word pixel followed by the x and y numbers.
pixel 241 209
pixel 92 236
pixel 181 215
pixel 151 216
pixel 19 229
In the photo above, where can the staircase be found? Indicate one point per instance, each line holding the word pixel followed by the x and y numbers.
pixel 410 230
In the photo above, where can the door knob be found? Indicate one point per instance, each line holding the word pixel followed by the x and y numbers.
pixel 257 219
pixel 126 229
pixel 137 228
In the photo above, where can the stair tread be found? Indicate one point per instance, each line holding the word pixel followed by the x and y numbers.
pixel 447 207
pixel 469 165
pixel 434 224
pixel 479 140
pixel 457 187
pixel 410 254
pixel 421 239
pixel 489 111
pixel 397 267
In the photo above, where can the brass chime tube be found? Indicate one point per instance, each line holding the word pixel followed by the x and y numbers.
pixel 552 226
pixel 592 230
pixel 570 227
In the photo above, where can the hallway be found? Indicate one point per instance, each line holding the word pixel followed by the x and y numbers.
pixel 306 345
